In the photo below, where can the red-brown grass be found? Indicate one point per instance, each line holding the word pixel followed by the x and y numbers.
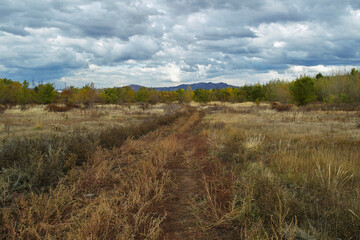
pixel 72 105
pixel 281 107
pixel 57 108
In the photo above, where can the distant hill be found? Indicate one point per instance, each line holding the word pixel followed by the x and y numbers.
pixel 135 87
pixel 194 86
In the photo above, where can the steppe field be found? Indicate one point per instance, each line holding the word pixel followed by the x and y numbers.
pixel 170 171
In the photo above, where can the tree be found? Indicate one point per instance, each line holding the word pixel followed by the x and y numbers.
pixel 303 90
pixel 68 94
pixel 23 94
pixel 46 93
pixel 180 93
pixel 154 96
pixel 319 75
pixel 201 95
pixel 168 96
pixel 111 95
pixel 188 94
pixel 142 95
pixel 86 95
pixel 8 90
pixel 354 72
pixel 126 95
pixel 240 94
pixel 256 92
pixel 278 90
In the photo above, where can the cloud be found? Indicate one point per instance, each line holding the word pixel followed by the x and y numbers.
pixel 162 42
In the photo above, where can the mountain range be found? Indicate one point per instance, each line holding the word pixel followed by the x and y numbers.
pixel 194 86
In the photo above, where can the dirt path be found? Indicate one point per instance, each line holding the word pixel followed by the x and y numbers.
pixel 187 176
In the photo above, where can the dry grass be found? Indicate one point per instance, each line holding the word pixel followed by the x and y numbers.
pixel 111 195
pixel 245 172
pixel 297 174
pixel 38 121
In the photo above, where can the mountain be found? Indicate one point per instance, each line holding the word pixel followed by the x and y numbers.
pixel 194 86
pixel 135 87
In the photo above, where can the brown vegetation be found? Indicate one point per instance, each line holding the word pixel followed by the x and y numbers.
pixel 281 107
pixel 2 108
pixel 288 181
pixel 240 172
pixel 56 108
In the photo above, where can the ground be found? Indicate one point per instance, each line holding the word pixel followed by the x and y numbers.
pixel 216 171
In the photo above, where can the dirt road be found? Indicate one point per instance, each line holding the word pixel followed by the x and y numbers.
pixel 185 174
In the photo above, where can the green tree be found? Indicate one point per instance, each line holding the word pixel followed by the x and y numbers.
pixel 111 95
pixel 46 93
pixel 256 92
pixel 240 94
pixel 303 90
pixel 354 72
pixel 142 95
pixel 180 93
pixel 23 94
pixel 126 95
pixel 202 95
pixel 319 75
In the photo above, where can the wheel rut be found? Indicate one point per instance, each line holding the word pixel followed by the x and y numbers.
pixel 186 174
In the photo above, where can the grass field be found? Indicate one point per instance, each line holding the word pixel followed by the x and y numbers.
pixel 204 171
pixel 37 120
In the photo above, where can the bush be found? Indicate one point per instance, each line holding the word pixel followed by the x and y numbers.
pixel 72 105
pixel 281 107
pixel 2 108
pixel 56 108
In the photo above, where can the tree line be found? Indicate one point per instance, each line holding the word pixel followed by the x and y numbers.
pixel 338 88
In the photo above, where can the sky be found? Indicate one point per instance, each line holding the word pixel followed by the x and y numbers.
pixel 170 42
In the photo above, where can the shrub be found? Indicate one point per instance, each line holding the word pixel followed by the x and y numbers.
pixel 2 108
pixel 273 105
pixel 72 105
pixel 56 108
pixel 281 107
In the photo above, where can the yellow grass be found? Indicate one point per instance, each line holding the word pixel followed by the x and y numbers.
pixel 37 120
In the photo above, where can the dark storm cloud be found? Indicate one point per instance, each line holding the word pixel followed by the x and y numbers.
pixel 162 41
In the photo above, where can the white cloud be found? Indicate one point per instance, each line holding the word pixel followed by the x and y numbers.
pixel 162 42
pixel 279 44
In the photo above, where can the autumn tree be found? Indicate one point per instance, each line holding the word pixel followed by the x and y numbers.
pixel 8 90
pixel 126 95
pixel 154 96
pixel 168 96
pixel 68 94
pixel 86 95
pixel 278 90
pixel 188 94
